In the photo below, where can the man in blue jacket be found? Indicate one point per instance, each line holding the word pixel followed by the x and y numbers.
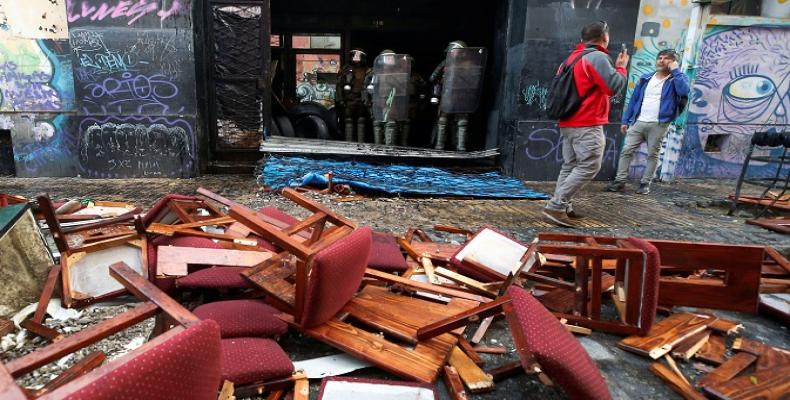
pixel 655 103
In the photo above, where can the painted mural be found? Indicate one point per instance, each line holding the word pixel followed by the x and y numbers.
pixel 742 86
pixel 662 24
pixel 36 19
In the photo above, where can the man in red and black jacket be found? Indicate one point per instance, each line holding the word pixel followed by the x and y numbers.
pixel 583 139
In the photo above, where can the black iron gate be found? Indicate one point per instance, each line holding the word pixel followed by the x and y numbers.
pixel 238 93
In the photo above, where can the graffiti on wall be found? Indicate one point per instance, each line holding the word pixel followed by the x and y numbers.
pixel 36 19
pixel 114 147
pixel 122 12
pixel 742 86
pixel 133 72
pixel 42 144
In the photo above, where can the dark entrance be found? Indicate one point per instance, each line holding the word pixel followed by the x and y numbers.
pixel 238 79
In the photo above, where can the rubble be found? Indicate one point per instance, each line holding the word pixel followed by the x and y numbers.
pixel 458 278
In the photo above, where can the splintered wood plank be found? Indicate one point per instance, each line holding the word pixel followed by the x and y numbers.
pixel 729 370
pixel 272 279
pixel 173 260
pixel 768 356
pixel 677 384
pixel 6 327
pixel 666 334
pixel 770 384
pixel 475 378
pixel 226 393
pixel 470 283
pixel 441 252
pixel 481 330
pixel 398 315
pixel 687 348
pixel 422 363
pixel 427 287
pixel 455 387
pixel 713 352
pixel 301 389
pixel 726 327
pixel 470 351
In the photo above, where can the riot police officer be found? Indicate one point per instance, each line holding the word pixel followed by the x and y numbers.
pixel 388 86
pixel 350 91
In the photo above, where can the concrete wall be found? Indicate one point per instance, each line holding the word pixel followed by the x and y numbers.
pixel 99 88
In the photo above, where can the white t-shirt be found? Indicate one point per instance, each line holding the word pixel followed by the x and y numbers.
pixel 652 100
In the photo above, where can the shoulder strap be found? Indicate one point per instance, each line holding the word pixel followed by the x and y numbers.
pixel 579 57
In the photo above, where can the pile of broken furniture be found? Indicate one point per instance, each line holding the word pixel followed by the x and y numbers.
pixel 356 290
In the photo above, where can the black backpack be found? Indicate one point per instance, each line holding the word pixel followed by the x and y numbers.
pixel 563 99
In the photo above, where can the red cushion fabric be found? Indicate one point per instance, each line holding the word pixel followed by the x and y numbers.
pixel 276 213
pixel 647 314
pixel 559 354
pixel 335 276
pixel 167 284
pixel 238 318
pixel 185 366
pixel 247 360
pixel 385 254
pixel 215 278
pixel 161 205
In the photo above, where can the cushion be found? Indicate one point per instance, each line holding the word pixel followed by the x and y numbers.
pixel 161 205
pixel 385 254
pixel 276 213
pixel 335 276
pixel 647 314
pixel 168 283
pixel 559 354
pixel 185 366
pixel 215 278
pixel 238 318
pixel 248 360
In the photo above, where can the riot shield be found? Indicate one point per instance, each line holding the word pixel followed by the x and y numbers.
pixel 463 80
pixel 390 97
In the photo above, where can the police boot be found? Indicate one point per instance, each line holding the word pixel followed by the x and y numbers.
pixel 378 132
pixel 404 133
pixel 460 144
pixel 390 132
pixel 349 129
pixel 361 130
pixel 441 133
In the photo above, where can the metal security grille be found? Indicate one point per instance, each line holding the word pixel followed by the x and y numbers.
pixel 239 46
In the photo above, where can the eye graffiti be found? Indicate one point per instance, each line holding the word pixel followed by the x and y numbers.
pixel 754 87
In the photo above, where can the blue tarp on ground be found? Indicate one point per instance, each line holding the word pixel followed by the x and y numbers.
pixel 280 172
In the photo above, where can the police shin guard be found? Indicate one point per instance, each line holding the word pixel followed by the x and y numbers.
pixel 378 132
pixel 390 132
pixel 349 129
pixel 360 130
pixel 460 144
pixel 404 133
pixel 441 133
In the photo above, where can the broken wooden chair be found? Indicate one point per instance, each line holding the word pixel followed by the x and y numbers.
pixel 636 267
pixel 544 345
pixel 323 302
pixel 87 250
pixel 183 363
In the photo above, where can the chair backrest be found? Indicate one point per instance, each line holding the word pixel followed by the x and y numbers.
pixel 650 282
pixel 161 207
pixel 335 275
pixel 559 354
pixel 180 364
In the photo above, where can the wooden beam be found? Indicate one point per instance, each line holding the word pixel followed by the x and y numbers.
pixel 475 378
pixel 70 344
pixel 729 370
pixel 383 276
pixel 462 319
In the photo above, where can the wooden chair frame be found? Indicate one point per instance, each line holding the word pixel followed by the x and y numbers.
pixel 373 306
pixel 739 267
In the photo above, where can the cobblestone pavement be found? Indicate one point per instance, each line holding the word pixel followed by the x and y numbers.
pixel 686 210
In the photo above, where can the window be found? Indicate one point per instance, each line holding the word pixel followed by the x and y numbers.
pixel 275 41
pixel 316 41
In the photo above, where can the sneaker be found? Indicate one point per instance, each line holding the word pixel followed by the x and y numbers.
pixel 558 218
pixel 572 214
pixel 615 186
pixel 644 188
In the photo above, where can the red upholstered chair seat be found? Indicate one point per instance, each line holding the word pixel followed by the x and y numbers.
pixel 238 318
pixel 185 366
pixel 335 276
pixel 559 354
pixel 647 314
pixel 247 360
pixel 385 254
pixel 215 278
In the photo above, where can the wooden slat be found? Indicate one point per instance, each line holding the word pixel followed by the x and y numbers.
pixel 453 383
pixel 678 385
pixel 271 277
pixel 70 344
pixel 470 352
pixel 474 378
pixel 595 296
pixel 383 276
pixel 687 348
pixel 768 357
pixel 306 223
pixel 726 327
pixel 481 330
pixel 664 335
pixel 250 219
pixel 173 260
pixel 46 293
pixel 729 370
pixel 301 389
pixel 766 385
pixel 712 352
pixel 505 371
pixel 316 207
pixel 462 319
pixel 470 283
pixel 81 367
